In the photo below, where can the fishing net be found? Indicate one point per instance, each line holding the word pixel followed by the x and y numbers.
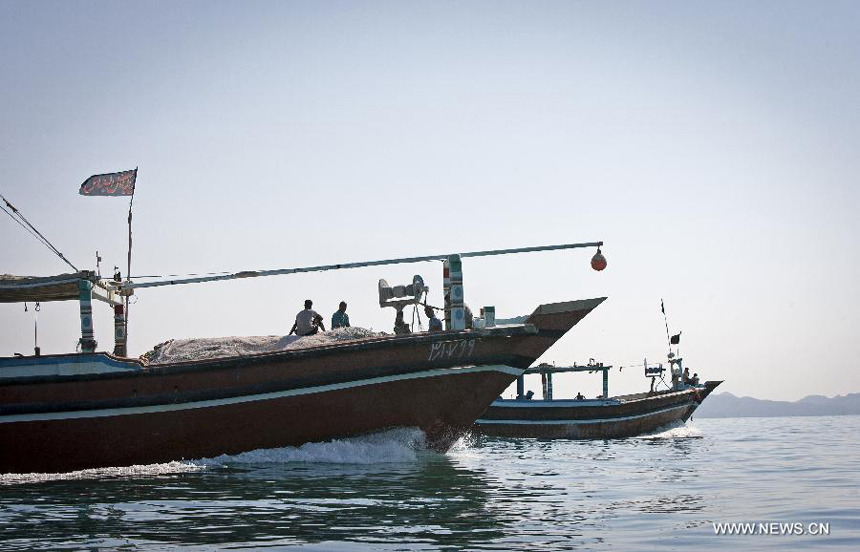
pixel 183 350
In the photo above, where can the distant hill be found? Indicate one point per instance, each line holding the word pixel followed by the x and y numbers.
pixel 726 405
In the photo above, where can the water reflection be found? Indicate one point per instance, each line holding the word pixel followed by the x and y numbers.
pixel 430 500
pixel 661 491
pixel 568 493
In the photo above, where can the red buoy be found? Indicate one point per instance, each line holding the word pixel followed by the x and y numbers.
pixel 598 262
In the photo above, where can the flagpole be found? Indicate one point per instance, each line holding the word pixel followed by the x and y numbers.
pixel 128 267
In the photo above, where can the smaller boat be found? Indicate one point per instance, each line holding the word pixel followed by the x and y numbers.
pixel 601 418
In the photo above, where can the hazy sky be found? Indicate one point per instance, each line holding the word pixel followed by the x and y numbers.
pixel 712 145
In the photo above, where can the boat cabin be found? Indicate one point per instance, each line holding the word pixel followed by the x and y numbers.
pixel 83 286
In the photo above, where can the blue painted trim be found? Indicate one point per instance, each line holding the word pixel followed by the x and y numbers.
pixel 100 358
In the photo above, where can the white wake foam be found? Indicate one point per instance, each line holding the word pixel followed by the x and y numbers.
pixel 392 446
pixel 679 431
pixel 102 473
pixel 396 445
pixel 464 444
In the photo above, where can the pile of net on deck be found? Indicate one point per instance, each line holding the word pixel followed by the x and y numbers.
pixel 180 350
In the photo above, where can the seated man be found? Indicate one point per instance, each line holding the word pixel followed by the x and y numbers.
pixel 308 321
pixel 433 323
pixel 580 397
pixel 340 319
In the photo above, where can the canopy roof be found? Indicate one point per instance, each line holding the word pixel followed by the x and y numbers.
pixel 62 287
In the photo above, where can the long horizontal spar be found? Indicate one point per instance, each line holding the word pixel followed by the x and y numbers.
pixel 562 369
pixel 341 266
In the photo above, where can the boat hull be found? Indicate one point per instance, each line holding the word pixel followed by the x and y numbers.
pixel 119 412
pixel 161 433
pixel 591 419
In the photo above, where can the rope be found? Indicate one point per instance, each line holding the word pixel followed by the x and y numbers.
pixel 418 314
pixel 23 225
pixel 32 233
pixel 32 229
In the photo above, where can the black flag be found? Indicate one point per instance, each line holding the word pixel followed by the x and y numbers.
pixel 676 339
pixel 111 184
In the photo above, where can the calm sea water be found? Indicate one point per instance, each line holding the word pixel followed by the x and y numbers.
pixel 660 492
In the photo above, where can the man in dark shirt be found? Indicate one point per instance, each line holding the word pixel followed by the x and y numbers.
pixel 340 319
pixel 433 323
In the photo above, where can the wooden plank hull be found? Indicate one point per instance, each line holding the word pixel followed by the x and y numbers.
pixel 590 419
pixel 126 436
pixel 121 413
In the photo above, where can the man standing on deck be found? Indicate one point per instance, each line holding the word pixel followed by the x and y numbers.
pixel 340 319
pixel 308 321
pixel 433 323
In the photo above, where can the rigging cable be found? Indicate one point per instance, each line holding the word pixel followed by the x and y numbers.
pixel 32 229
pixel 24 226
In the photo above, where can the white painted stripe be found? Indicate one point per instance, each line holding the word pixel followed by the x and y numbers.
pixel 101 413
pixel 575 422
pixel 554 403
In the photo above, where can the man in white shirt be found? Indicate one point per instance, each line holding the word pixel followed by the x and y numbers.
pixel 308 321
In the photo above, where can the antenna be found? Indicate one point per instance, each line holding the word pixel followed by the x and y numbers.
pixel 665 321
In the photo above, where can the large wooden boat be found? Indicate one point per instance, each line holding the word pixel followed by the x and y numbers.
pixel 95 409
pixel 599 418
